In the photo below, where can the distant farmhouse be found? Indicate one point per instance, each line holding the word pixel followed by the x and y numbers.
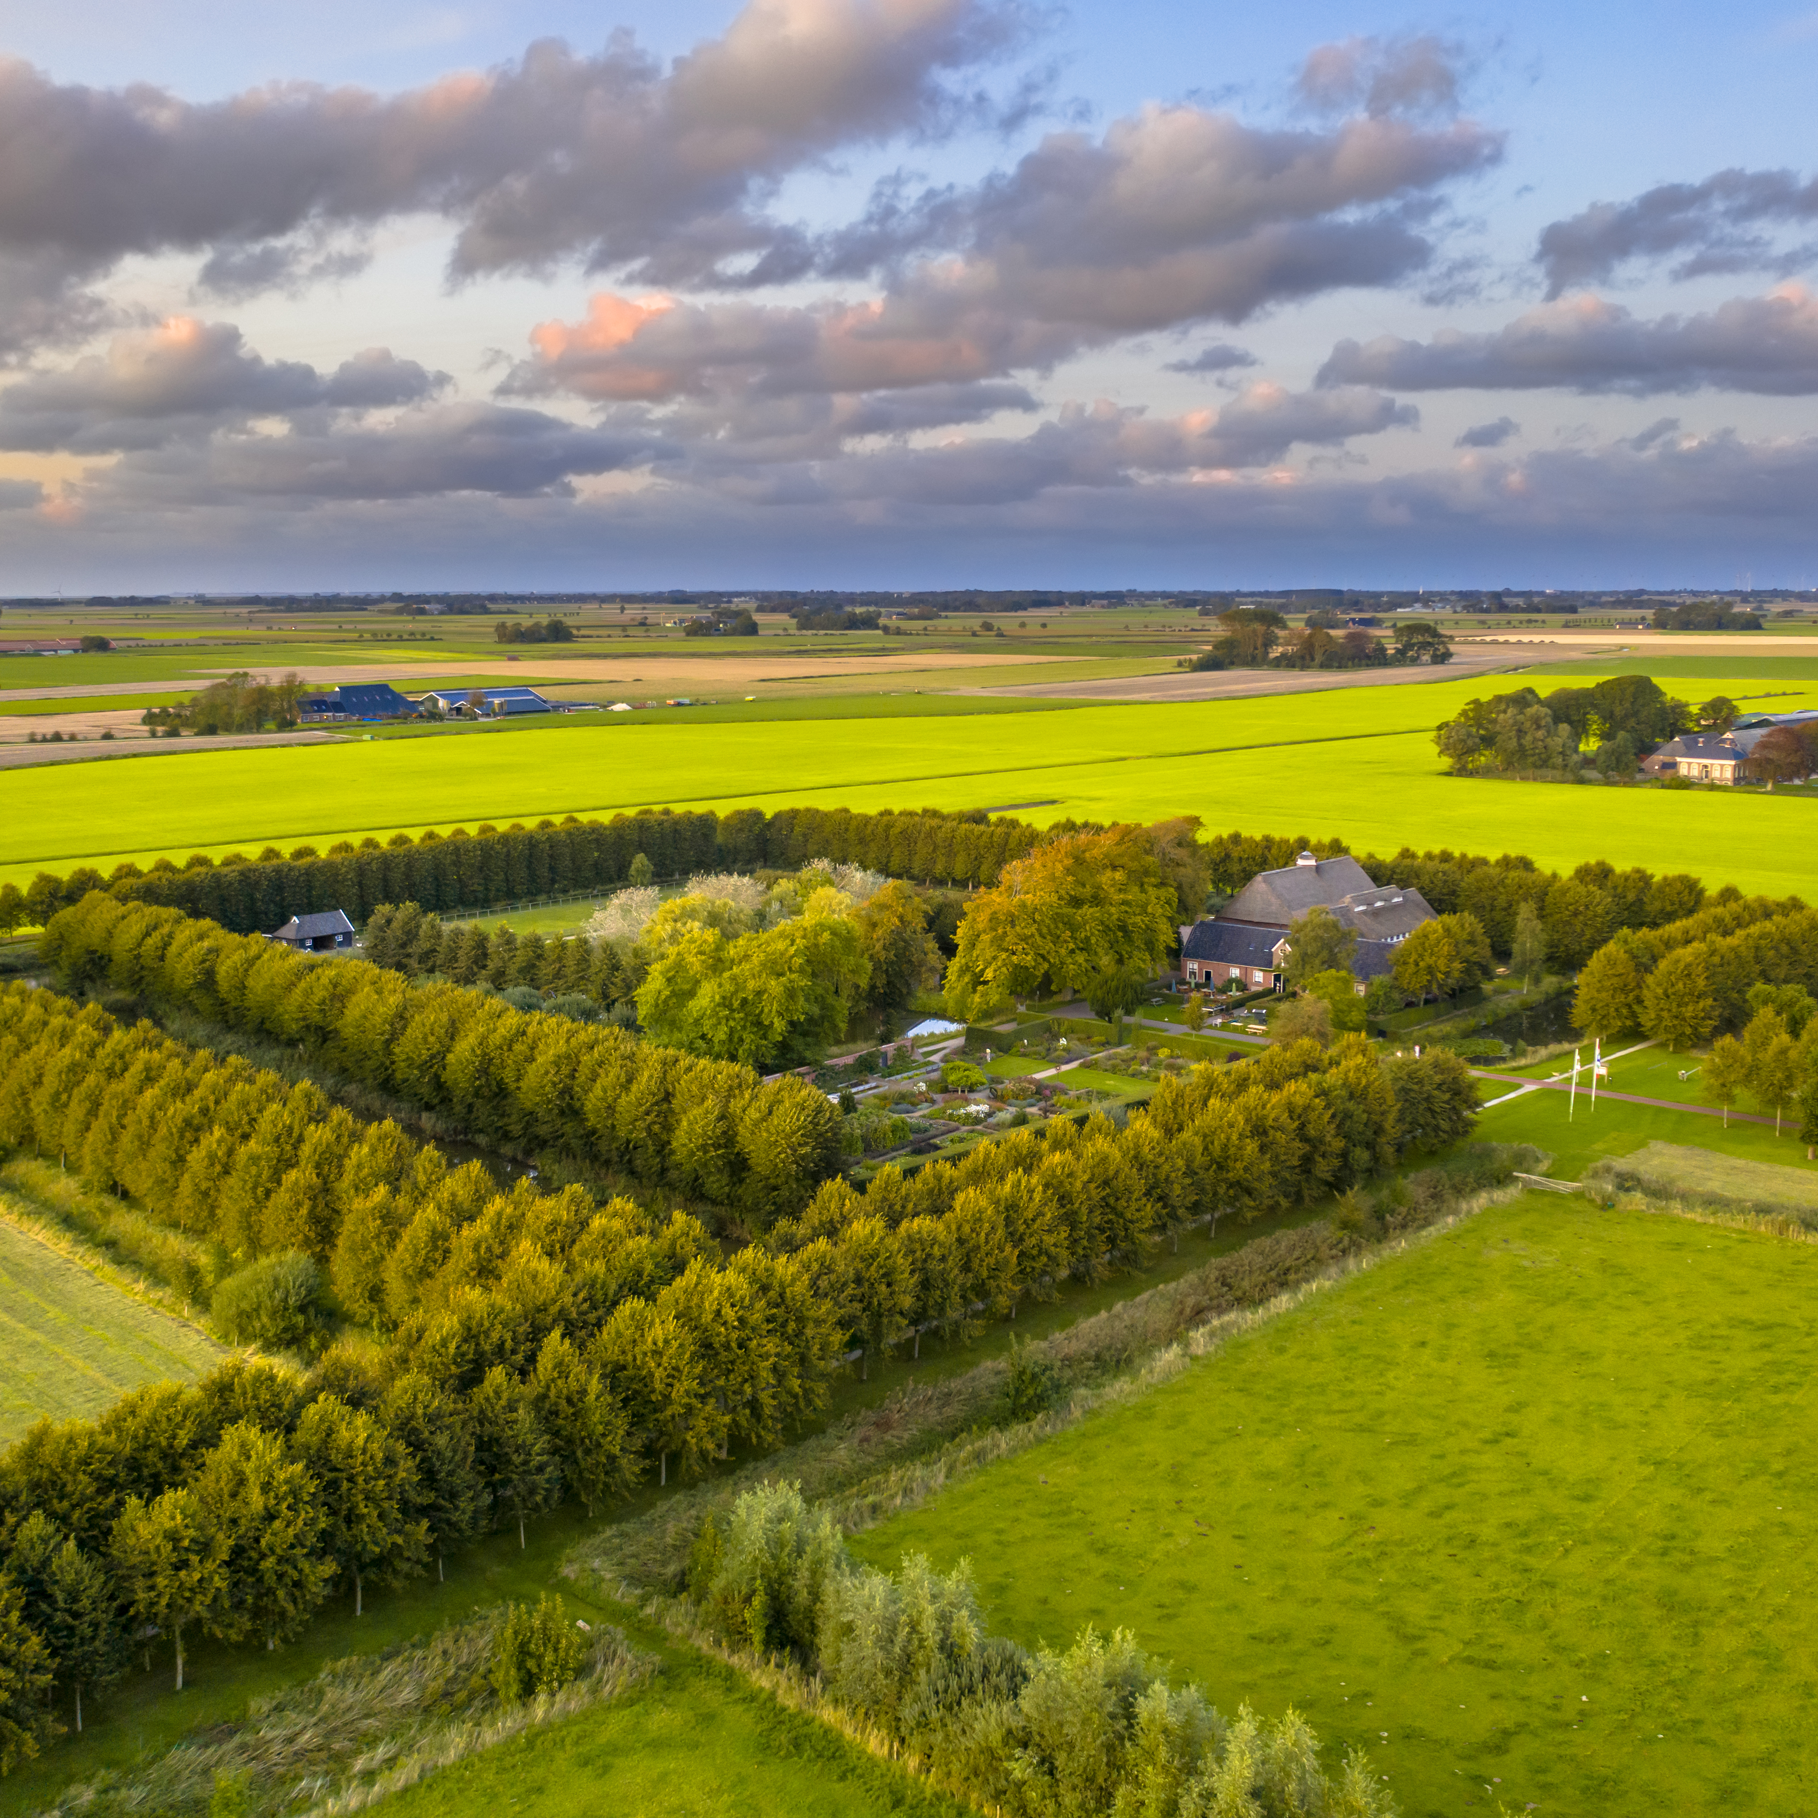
pixel 1247 941
pixel 497 703
pixel 1716 757
pixel 316 933
pixel 355 701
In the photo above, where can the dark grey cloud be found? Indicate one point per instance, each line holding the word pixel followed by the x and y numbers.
pixel 1489 435
pixel 1221 356
pixel 1767 345
pixel 20 495
pixel 1718 225
pixel 427 451
pixel 187 379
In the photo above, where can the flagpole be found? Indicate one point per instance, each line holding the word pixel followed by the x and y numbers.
pixel 1596 1066
pixel 1572 1106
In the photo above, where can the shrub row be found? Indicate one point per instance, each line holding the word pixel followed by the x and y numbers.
pixel 1097 1728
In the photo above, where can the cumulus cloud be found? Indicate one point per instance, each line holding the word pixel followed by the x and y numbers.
pixel 1767 345
pixel 1489 435
pixel 1093 447
pixel 611 159
pixel 186 379
pixel 1714 226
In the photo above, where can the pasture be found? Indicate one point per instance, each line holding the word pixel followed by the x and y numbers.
pixel 71 1345
pixel 1356 763
pixel 1524 1509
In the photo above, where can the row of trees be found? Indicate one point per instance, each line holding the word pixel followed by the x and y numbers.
pixel 1256 637
pixel 1097 1729
pixel 236 1506
pixel 1621 718
pixel 514 1079
pixel 402 937
pixel 1774 1062
pixel 1701 976
pixel 491 866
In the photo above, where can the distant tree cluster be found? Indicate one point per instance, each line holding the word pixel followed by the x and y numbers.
pixel 1258 637
pixel 237 703
pixel 1706 615
pixel 493 865
pixel 836 618
pixel 1094 1729
pixel 544 631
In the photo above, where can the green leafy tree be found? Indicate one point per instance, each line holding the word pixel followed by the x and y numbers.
pixel 1528 951
pixel 170 1566
pixel 1338 991
pixel 1773 1063
pixel 1383 997
pixel 512 1453
pixel 1077 905
pixel 445 1493
pixel 1608 1000
pixel 1427 963
pixel 82 1623
pixel 1318 942
pixel 25 1682
pixel 1301 1019
pixel 535 1650
pixel 261 1504
pixel 1578 920
pixel 642 872
pixel 363 1483
pixel 1193 1013
pixel 1726 1074
pixel 893 932
pixel 1676 1005
pixel 586 1422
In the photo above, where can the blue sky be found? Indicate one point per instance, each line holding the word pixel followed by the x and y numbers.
pixel 905 292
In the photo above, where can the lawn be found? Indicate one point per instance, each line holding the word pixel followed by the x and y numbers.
pixel 1511 1510
pixel 71 1345
pixel 1359 764
pixel 1578 1135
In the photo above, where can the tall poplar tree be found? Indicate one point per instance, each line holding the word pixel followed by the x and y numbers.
pixel 170 1565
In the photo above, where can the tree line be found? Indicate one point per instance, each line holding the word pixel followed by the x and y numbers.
pixel 1097 1728
pixel 537 1345
pixel 513 1079
pixel 491 865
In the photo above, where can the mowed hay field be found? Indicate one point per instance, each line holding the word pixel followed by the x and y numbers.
pixel 1358 763
pixel 71 1345
pixel 1526 1509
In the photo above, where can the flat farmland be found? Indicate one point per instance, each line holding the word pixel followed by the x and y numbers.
pixel 1525 1510
pixel 71 1345
pixel 1357 763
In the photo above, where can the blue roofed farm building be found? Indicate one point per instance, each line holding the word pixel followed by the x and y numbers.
pixel 326 932
pixel 355 701
pixel 492 703
pixel 1246 944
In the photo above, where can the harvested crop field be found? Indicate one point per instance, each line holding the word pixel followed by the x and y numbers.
pixel 70 1344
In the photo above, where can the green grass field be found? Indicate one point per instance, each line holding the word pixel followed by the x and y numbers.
pixel 696 1743
pixel 1524 1510
pixel 70 1344
pixel 1356 763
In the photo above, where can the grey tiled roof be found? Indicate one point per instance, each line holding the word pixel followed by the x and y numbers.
pixel 1231 944
pixel 1277 897
pixel 313 927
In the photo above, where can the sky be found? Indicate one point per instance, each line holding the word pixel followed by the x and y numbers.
pixel 905 293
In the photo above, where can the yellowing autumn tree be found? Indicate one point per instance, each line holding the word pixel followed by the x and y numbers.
pixel 1060 917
